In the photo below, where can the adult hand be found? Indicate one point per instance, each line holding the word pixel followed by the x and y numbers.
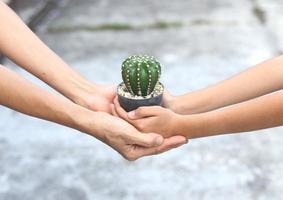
pixel 97 97
pixel 35 57
pixel 124 138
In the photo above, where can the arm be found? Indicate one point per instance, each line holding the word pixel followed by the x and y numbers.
pixel 21 95
pixel 260 113
pixel 262 79
pixel 22 46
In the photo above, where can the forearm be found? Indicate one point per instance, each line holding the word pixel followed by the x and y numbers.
pixel 262 79
pixel 260 113
pixel 21 95
pixel 22 46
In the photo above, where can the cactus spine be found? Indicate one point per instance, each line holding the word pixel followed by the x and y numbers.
pixel 141 74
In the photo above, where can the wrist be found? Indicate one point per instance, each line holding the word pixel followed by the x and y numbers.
pixel 192 103
pixel 177 105
pixel 89 122
pixel 80 92
pixel 88 95
pixel 180 105
pixel 192 126
pixel 202 125
pixel 180 125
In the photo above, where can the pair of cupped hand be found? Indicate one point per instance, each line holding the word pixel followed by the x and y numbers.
pixel 142 132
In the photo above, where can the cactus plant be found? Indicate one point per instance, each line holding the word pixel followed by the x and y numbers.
pixel 141 74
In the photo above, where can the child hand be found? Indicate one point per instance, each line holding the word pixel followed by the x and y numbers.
pixel 150 119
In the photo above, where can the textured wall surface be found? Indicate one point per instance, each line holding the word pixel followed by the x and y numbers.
pixel 198 41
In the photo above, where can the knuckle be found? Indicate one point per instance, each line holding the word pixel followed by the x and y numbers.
pixel 130 157
pixel 152 143
pixel 141 126
pixel 139 110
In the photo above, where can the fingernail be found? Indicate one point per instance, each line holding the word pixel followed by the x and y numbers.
pixel 158 140
pixel 131 114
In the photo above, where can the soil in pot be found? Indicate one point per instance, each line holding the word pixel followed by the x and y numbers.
pixel 131 102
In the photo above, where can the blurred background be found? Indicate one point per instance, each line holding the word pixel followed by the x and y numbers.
pixel 198 43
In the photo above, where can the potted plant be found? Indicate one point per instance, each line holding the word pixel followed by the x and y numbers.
pixel 140 86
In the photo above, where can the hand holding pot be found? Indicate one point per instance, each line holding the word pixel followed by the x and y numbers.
pixel 124 138
pixel 151 119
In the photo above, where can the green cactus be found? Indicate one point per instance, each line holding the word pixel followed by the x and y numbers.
pixel 141 74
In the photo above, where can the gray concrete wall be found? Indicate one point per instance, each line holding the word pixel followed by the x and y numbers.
pixel 198 42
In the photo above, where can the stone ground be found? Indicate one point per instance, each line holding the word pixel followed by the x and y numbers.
pixel 198 43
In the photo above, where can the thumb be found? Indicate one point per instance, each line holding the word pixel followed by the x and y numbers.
pixel 146 111
pixel 148 139
pixel 168 143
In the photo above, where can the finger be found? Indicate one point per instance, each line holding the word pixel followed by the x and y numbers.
pixel 113 88
pixel 167 145
pixel 111 91
pixel 146 111
pixel 120 111
pixel 113 111
pixel 173 142
pixel 123 114
pixel 146 140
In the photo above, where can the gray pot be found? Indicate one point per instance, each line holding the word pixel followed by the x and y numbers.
pixel 132 104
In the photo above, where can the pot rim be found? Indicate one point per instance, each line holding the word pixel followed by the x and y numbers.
pixel 117 92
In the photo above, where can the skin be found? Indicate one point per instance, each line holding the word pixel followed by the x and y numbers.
pixel 256 81
pixel 251 106
pixel 19 94
pixel 35 57
pixel 23 47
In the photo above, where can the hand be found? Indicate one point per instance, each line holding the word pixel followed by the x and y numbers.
pixel 151 119
pixel 98 98
pixel 179 104
pixel 125 139
pixel 168 100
